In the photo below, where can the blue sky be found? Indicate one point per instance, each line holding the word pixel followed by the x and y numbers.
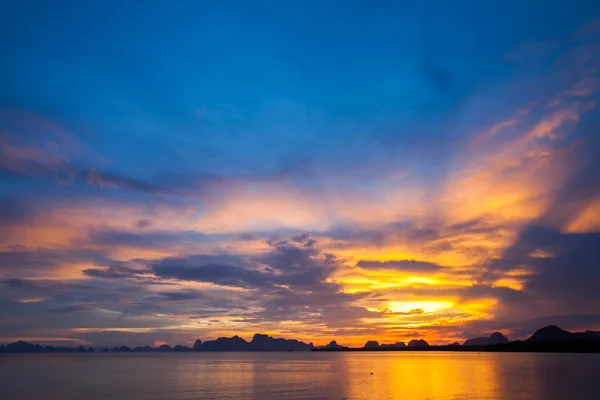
pixel 136 135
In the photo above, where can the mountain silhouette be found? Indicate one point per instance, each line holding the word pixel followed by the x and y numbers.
pixel 418 343
pixel 262 342
pixel 120 348
pixel 143 349
pixel 590 335
pixel 397 345
pixel 235 343
pixel 259 342
pixel 25 347
pixel 332 346
pixel 551 333
pixel 493 339
pixel 547 339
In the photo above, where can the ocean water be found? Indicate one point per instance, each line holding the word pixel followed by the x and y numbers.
pixel 260 376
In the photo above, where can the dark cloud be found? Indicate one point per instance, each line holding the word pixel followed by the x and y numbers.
pixel 285 257
pixel 288 282
pixel 181 295
pixel 246 236
pixel 115 271
pixel 143 223
pixel 507 296
pixel 304 240
pixel 76 308
pixel 566 273
pixel 284 264
pixel 330 259
pixel 300 238
pixel 572 274
pixel 22 261
pixel 192 269
pixel 50 285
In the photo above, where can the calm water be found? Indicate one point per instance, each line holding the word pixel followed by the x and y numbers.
pixel 260 376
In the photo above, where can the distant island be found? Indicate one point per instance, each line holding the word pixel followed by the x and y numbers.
pixel 548 339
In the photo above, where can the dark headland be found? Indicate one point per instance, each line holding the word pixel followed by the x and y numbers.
pixel 548 339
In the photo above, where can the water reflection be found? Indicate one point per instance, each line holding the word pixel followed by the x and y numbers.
pixel 328 376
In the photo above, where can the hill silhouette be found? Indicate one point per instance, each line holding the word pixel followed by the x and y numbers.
pixel 554 339
pixel 397 345
pixel 418 343
pixel 25 347
pixel 550 333
pixel 332 346
pixel 547 339
pixel 261 342
pixel 493 339
pixel 372 344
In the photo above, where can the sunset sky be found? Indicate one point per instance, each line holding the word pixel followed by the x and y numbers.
pixel 319 170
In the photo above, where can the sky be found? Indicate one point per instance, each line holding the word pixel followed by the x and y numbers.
pixel 323 170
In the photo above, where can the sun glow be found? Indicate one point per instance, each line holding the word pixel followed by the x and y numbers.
pixel 419 306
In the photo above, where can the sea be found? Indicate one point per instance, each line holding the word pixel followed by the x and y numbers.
pixel 300 375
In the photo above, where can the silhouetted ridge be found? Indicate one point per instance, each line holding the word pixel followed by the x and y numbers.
pixel 493 339
pixel 551 333
pixel 197 345
pixel 590 335
pixel 235 343
pixel 418 343
pixel 143 349
pixel 548 339
pixel 262 342
pixel 25 347
pixel 120 348
pixel 332 346
pixel 397 345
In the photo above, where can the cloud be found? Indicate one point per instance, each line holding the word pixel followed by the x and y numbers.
pixel 76 308
pixel 59 159
pixel 152 239
pixel 410 266
pixel 294 265
pixel 143 223
pixel 181 295
pixel 19 261
pixel 115 271
pixel 193 269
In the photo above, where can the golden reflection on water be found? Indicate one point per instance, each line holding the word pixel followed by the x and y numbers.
pixel 422 375
pixel 301 376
